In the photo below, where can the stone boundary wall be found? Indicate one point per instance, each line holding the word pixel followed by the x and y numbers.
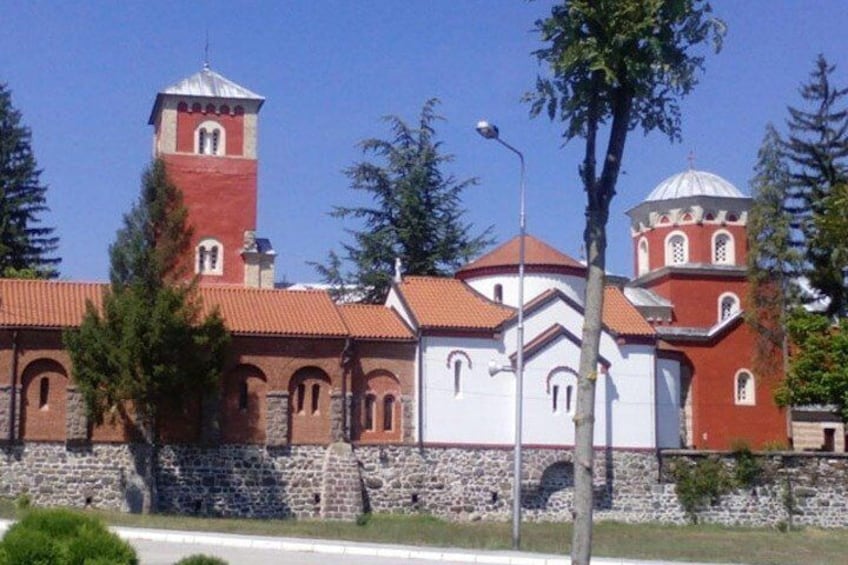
pixel 457 483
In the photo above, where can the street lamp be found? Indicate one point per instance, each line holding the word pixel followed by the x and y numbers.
pixel 490 131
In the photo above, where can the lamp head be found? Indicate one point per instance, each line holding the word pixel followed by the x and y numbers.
pixel 487 130
pixel 494 368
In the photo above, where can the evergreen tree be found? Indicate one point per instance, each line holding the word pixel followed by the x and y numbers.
pixel 25 245
pixel 150 346
pixel 774 263
pixel 416 216
pixel 615 65
pixel 817 149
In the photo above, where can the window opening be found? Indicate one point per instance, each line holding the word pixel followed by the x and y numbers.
pixel 216 136
pixel 498 293
pixel 728 307
pixel 678 249
pixel 721 245
pixel 555 397
pixel 388 413
pixel 368 412
pixel 301 392
pixel 43 392
pixel 569 390
pixel 316 391
pixel 243 395
pixel 744 388
pixel 457 376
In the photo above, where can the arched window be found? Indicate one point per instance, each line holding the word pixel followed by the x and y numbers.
pixel 43 393
pixel 368 412
pixel 208 257
pixel 316 394
pixel 728 305
pixel 723 249
pixel 555 398
pixel 301 397
pixel 388 413
pixel 457 377
pixel 676 249
pixel 209 138
pixel 498 293
pixel 560 385
pixel 744 389
pixel 242 399
pixel 642 257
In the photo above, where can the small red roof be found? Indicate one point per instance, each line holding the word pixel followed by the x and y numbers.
pixel 538 257
pixel 366 321
pixel 621 317
pixel 443 303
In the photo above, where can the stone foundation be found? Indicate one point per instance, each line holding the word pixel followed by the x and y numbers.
pixel 450 482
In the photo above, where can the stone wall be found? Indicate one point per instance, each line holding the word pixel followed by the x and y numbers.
pixel 451 482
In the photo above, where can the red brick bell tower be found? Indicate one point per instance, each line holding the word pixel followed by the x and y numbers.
pixel 690 248
pixel 205 130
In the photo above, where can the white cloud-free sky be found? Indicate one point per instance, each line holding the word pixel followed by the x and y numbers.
pixel 85 75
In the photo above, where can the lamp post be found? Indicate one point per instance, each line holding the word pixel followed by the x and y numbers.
pixel 490 131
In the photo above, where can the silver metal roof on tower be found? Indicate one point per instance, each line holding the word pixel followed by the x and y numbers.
pixel 206 84
pixel 693 183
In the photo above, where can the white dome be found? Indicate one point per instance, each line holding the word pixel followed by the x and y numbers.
pixel 693 183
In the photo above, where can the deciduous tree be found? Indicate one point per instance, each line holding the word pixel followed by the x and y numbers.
pixel 149 346
pixel 26 246
pixel 416 216
pixel 614 65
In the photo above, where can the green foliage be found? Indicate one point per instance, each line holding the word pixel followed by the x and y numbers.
pixel 150 345
pixel 416 216
pixel 23 501
pixel 25 245
pixel 200 559
pixel 748 471
pixel 817 149
pixel 700 484
pixel 818 367
pixel 63 537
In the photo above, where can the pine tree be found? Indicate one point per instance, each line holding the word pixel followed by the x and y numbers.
pixel 149 346
pixel 817 149
pixel 417 212
pixel 615 65
pixel 25 245
pixel 774 262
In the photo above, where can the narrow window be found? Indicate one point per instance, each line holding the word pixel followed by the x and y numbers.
pixel 555 397
pixel 201 259
pixel 368 412
pixel 569 390
pixel 677 245
pixel 301 392
pixel 243 395
pixel 745 388
pixel 720 249
pixel 457 377
pixel 642 258
pixel 43 392
pixel 388 413
pixel 499 293
pixel 201 141
pixel 316 392
pixel 213 258
pixel 216 136
pixel 728 306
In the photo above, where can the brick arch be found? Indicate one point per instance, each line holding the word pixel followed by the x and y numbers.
pixel 309 406
pixel 44 398
pixel 378 408
pixel 243 405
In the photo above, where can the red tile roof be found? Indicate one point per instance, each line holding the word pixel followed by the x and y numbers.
pixel 52 304
pixel 538 256
pixel 621 317
pixel 366 321
pixel 442 303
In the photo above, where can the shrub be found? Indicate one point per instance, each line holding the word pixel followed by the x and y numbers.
pixel 700 484
pixel 748 472
pixel 63 537
pixel 201 560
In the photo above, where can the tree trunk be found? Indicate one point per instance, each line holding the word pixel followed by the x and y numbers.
pixel 146 463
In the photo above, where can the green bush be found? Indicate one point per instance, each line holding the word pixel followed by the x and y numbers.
pixel 749 472
pixel 700 484
pixel 201 560
pixel 63 537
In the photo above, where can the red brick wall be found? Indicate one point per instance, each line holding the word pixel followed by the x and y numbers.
pixel 243 423
pixel 700 243
pixel 220 194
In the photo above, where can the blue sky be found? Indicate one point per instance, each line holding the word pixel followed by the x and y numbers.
pixel 85 75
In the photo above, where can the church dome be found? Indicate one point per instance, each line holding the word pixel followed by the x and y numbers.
pixel 693 183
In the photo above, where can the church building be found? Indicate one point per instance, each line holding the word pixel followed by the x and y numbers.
pixel 676 359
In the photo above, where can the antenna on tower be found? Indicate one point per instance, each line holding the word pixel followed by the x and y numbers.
pixel 691 159
pixel 206 51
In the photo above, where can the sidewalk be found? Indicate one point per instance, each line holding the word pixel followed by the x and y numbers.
pixel 359 549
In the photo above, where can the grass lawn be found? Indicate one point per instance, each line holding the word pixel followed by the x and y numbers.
pixel 643 541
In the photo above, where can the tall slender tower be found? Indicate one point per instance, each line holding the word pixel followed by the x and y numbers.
pixel 205 131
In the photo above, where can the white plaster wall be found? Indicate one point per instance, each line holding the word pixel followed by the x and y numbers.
pixel 483 412
pixel 668 403
pixel 394 301
pixel 534 285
